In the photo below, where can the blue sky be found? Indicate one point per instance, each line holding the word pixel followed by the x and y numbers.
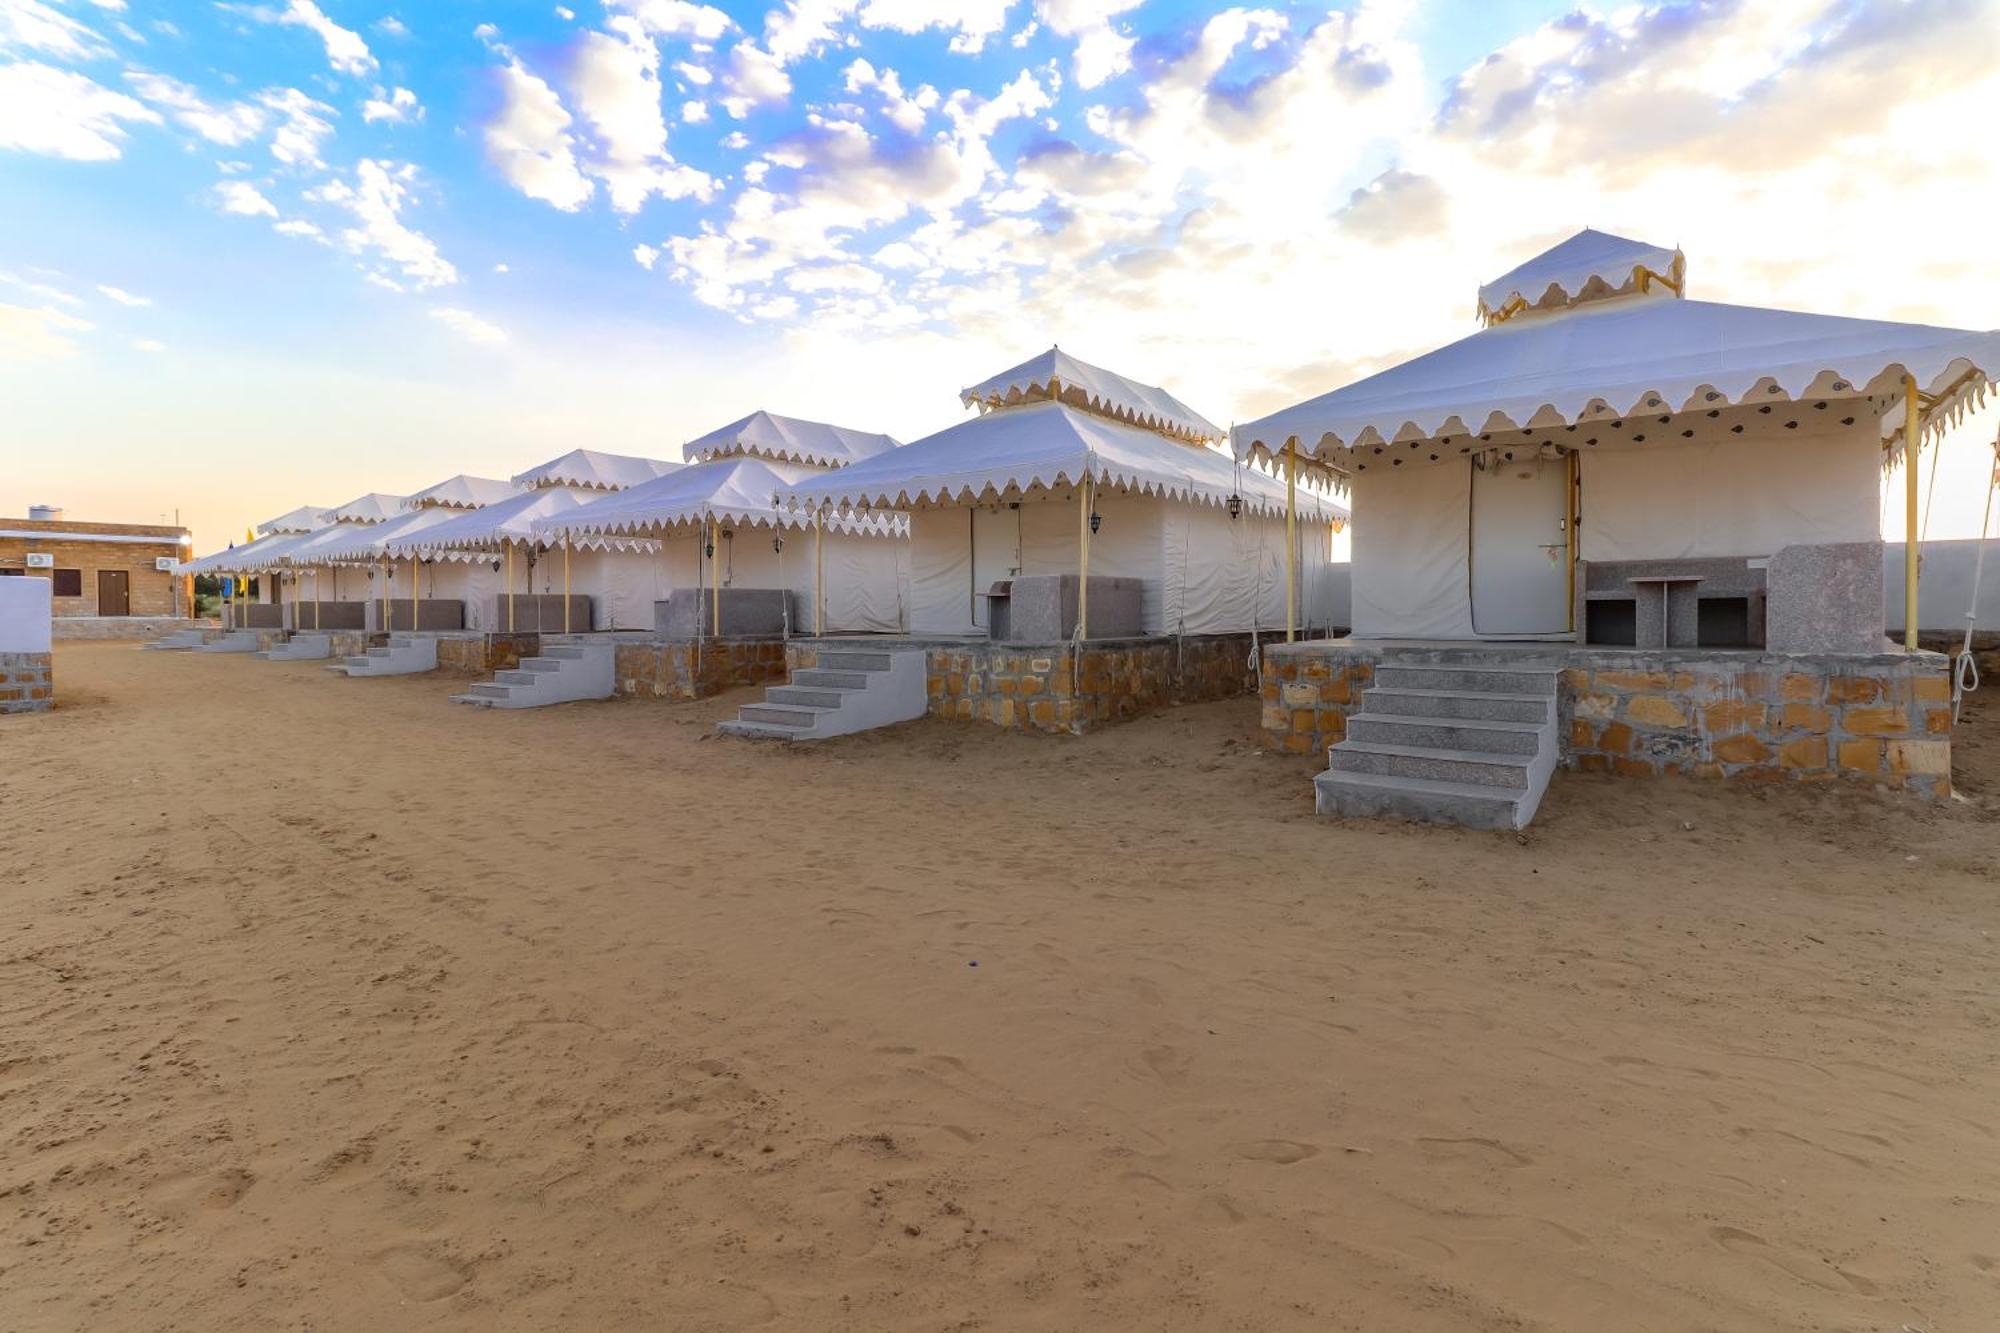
pixel 283 251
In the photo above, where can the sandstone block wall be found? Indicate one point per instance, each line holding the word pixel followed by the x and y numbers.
pixel 695 668
pixel 482 654
pixel 27 682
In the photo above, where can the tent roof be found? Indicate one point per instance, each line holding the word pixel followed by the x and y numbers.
pixel 734 490
pixel 594 471
pixel 1046 445
pixel 232 559
pixel 307 549
pixel 397 535
pixel 1094 389
pixel 461 492
pixel 303 519
pixel 1614 359
pixel 1590 263
pixel 374 507
pixel 788 440
pixel 511 520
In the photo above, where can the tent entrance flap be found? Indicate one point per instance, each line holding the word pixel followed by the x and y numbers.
pixel 996 554
pixel 1520 575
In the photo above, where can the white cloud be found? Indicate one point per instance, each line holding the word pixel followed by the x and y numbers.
pixel 345 50
pixel 468 325
pixel 694 74
pixel 376 198
pixel 392 25
pixel 677 18
pixel 529 142
pixel 123 297
pixel 694 113
pixel 501 268
pixel 29 25
pixel 303 128
pixel 244 199
pixel 397 106
pixel 646 255
pixel 974 20
pixel 907 113
pixel 565 13
pixel 38 334
pixel 63 114
pixel 236 123
pixel 1102 50
pixel 616 85
pixel 302 229
pixel 754 78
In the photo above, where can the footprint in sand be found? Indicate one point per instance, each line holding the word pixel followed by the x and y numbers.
pixel 422 1272
pixel 1168 1064
pixel 1812 1272
pixel 1284 1152
pixel 1488 1150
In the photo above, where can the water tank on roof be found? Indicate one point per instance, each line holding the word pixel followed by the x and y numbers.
pixel 45 513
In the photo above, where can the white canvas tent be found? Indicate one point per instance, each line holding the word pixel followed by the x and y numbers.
pixel 589 470
pixel 719 523
pixel 787 440
pixel 1009 494
pixel 1686 429
pixel 462 492
pixel 622 580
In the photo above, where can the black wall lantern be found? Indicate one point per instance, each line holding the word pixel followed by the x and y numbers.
pixel 1096 522
pixel 1235 505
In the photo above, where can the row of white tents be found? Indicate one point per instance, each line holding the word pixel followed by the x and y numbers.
pixel 1067 468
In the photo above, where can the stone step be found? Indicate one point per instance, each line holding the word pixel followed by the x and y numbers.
pixel 1431 764
pixel 1467 679
pixel 514 677
pixel 779 715
pixel 831 680
pixel 540 664
pixel 489 690
pixel 471 700
pixel 803 696
pixel 756 731
pixel 563 652
pixel 1366 795
pixel 1486 737
pixel 845 659
pixel 379 653
pixel 1494 707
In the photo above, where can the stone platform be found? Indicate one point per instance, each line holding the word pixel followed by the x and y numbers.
pixel 1739 716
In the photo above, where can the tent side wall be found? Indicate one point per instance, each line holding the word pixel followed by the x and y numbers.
pixel 1741 497
pixel 622 584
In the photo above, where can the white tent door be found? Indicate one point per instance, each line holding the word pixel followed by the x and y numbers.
pixel 1519 585
pixel 996 554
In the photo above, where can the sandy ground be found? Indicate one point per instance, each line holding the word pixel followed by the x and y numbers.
pixel 325 1004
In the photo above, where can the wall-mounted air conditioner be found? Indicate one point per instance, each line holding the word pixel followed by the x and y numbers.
pixel 41 560
pixel 164 563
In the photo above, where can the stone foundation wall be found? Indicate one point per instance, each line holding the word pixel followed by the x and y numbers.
pixel 27 682
pixel 696 668
pixel 1887 719
pixel 1048 688
pixel 482 654
pixel 121 627
pixel 349 642
pixel 1747 717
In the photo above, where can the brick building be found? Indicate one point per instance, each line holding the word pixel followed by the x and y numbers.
pixel 98 569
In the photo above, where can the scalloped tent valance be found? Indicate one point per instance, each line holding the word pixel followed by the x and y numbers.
pixel 306 518
pixel 236 559
pixel 740 491
pixel 482 532
pixel 788 440
pixel 461 492
pixel 591 470
pixel 1622 359
pixel 1589 266
pixel 371 544
pixel 1046 446
pixel 1057 375
pixel 374 507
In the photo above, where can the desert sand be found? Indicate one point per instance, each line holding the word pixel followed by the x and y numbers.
pixel 325 1004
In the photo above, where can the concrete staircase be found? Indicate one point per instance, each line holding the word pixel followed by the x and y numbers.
pixel 849 690
pixel 179 641
pixel 569 668
pixel 405 655
pixel 236 641
pixel 1447 742
pixel 301 648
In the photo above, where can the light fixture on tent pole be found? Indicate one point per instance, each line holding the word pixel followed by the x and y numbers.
pixel 1096 522
pixel 1235 506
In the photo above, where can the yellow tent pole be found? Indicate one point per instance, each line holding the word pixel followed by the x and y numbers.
pixel 565 583
pixel 1912 413
pixel 1291 542
pixel 383 570
pixel 508 547
pixel 315 575
pixel 819 570
pixel 714 577
pixel 1083 561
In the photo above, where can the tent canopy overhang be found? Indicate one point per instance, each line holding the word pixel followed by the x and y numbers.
pixel 1056 376
pixel 737 491
pixel 1047 449
pixel 482 534
pixel 587 469
pixel 1615 361
pixel 788 440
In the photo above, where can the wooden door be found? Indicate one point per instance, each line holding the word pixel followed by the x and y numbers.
pixel 114 592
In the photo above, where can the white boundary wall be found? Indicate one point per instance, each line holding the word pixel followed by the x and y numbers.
pixel 26 613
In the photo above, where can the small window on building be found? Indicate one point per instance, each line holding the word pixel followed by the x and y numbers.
pixel 69 583
pixel 17 573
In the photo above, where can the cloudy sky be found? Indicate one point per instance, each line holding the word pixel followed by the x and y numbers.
pixel 286 251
